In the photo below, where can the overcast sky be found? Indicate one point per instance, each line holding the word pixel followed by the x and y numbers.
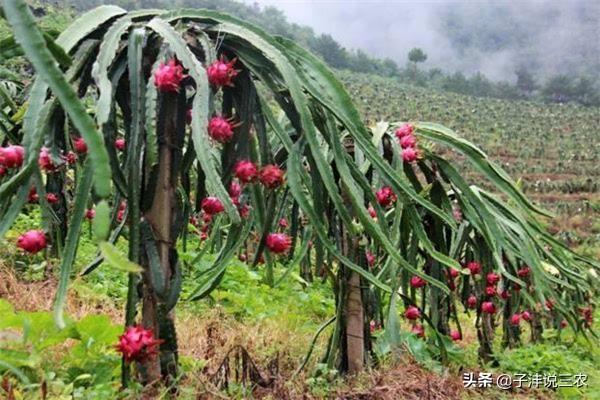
pixel 391 28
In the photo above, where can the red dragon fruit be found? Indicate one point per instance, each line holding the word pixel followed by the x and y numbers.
pixel 404 130
pixel 492 278
pixel 271 176
pixel 51 198
pixel 409 154
pixel 119 144
pixel 12 156
pixel 417 282
pixel 412 313
pixel 221 72
pixel 90 213
pixel 167 78
pixel 212 205
pixel 472 301
pixel 32 196
pixel 245 171
pixel 220 129
pixel 418 330
pixel 474 267
pixel 488 307
pixel 137 344
pixel 491 291
pixel 371 258
pixel 455 335
pixel 45 160
pixel 385 196
pixel 80 145
pixel 278 243
pixel 70 158
pixel 32 241
pixel 515 319
pixel 408 141
pixel 235 189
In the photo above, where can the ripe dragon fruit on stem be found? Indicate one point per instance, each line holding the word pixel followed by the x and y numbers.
pixel 404 130
pixel 245 171
pixel 271 176
pixel 137 344
pixel 412 313
pixel 385 196
pixel 220 129
pixel 278 243
pixel 168 77
pixel 80 145
pixel 32 241
pixel 221 72
pixel 212 205
pixel 12 156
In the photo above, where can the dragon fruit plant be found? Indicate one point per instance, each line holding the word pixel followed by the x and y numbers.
pixel 201 120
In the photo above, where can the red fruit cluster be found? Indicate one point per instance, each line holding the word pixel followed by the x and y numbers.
pixel 32 196
pixel 408 142
pixel 52 198
pixel 212 205
pixel 245 171
pixel 167 78
pixel 472 301
pixel 11 157
pixel 455 335
pixel 474 267
pixel 45 160
pixel 137 344
pixel 278 243
pixel 119 144
pixel 80 145
pixel 32 241
pixel 90 213
pixel 515 319
pixel 412 313
pixel 221 72
pixel 220 129
pixel 385 196
pixel 121 212
pixel 371 259
pixel 271 176
pixel 418 330
pixel 492 278
pixel 488 307
pixel 417 282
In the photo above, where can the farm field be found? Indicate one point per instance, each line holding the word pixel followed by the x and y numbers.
pixel 192 208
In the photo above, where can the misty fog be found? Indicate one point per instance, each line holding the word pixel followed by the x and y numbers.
pixel 493 37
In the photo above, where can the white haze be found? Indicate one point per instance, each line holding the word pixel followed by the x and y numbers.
pixel 562 36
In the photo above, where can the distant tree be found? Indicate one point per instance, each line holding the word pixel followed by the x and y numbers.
pixel 361 62
pixel 456 82
pixel 480 86
pixel 505 90
pixel 525 81
pixel 388 67
pixel 558 89
pixel 331 51
pixel 586 91
pixel 416 55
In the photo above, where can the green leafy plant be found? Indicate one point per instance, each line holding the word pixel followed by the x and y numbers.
pixel 177 99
